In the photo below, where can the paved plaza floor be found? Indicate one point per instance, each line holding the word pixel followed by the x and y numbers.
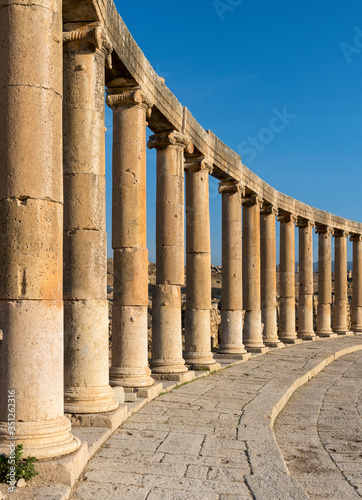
pixel 212 439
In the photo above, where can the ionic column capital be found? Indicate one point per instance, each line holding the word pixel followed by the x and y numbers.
pixel 231 187
pixel 78 34
pixel 340 233
pixel 197 164
pixel 287 217
pixel 322 229
pixel 171 138
pixel 252 200
pixel 355 237
pixel 304 223
pixel 269 209
pixel 126 97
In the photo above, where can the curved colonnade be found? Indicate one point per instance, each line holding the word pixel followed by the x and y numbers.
pixel 53 213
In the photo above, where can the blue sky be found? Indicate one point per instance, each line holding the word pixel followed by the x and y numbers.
pixel 236 64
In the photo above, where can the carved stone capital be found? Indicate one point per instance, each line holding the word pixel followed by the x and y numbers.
pixel 287 217
pixel 252 200
pixel 269 209
pixel 322 229
pixel 340 233
pixel 304 223
pixel 171 138
pixel 355 237
pixel 195 164
pixel 126 97
pixel 231 187
pixel 77 35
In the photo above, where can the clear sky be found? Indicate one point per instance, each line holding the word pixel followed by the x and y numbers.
pixel 237 64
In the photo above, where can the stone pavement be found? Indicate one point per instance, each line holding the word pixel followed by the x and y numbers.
pixel 213 438
pixel 320 432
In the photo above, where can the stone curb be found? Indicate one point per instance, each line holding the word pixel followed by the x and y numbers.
pixel 272 479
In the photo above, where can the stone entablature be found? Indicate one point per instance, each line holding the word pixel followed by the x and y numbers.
pixel 129 58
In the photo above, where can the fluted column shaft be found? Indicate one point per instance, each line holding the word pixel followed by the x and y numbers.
pixel 340 320
pixel 86 359
pixel 31 228
pixel 324 282
pixel 268 276
pixel 231 330
pixel 357 284
pixel 253 338
pixel 305 304
pixel 287 332
pixel 131 106
pixel 170 271
pixel 198 265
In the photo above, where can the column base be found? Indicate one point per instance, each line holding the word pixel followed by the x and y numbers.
pixel 346 333
pixel 43 440
pixel 150 392
pixel 326 334
pixel 226 355
pixel 307 336
pixel 201 361
pixel 89 399
pixel 291 340
pixel 210 367
pixel 357 332
pixel 110 420
pixel 167 367
pixel 130 377
pixel 231 349
pixel 274 345
pixel 257 350
pixel 176 377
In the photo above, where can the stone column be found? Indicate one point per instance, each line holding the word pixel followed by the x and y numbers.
pixel 231 330
pixel 287 332
pixel 198 266
pixel 253 336
pixel 340 320
pixel 131 106
pixel 324 282
pixel 167 361
pixel 31 228
pixel 268 276
pixel 86 359
pixel 305 305
pixel 357 284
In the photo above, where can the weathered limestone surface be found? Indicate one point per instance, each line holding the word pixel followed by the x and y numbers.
pixel 166 301
pixel 268 276
pixel 198 263
pixel 31 220
pixel 305 304
pixel 232 292
pixel 324 282
pixel 340 324
pixel 131 106
pixel 86 378
pixel 357 284
pixel 253 338
pixel 287 332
